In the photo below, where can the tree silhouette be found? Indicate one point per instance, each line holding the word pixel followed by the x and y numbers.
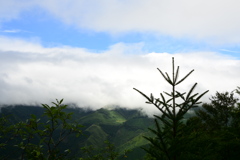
pixel 168 142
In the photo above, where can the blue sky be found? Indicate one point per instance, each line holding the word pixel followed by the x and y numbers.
pixel 114 36
pixel 37 23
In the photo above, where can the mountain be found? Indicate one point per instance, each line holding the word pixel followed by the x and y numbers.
pixel 124 128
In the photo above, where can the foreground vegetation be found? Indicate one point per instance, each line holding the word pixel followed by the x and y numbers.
pixel 211 132
pixel 103 133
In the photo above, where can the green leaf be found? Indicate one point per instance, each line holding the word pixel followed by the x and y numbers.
pixel 61 101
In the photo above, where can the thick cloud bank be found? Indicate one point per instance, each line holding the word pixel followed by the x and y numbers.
pixel 30 73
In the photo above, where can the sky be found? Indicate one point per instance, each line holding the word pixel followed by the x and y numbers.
pixel 94 52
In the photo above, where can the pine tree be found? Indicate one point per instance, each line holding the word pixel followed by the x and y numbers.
pixel 168 142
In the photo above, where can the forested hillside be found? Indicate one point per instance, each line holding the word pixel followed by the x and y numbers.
pixel 122 128
pixel 209 131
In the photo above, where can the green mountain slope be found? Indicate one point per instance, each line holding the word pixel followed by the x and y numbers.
pixel 124 128
pixel 103 116
pixel 96 137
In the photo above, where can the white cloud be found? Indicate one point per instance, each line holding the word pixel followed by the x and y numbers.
pixel 11 9
pixel 34 74
pixel 213 21
pixel 14 31
pixel 11 31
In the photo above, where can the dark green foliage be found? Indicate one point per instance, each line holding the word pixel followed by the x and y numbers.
pixel 108 151
pixel 236 113
pixel 125 135
pixel 36 139
pixel 212 132
pixel 217 127
pixel 218 114
pixel 170 140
